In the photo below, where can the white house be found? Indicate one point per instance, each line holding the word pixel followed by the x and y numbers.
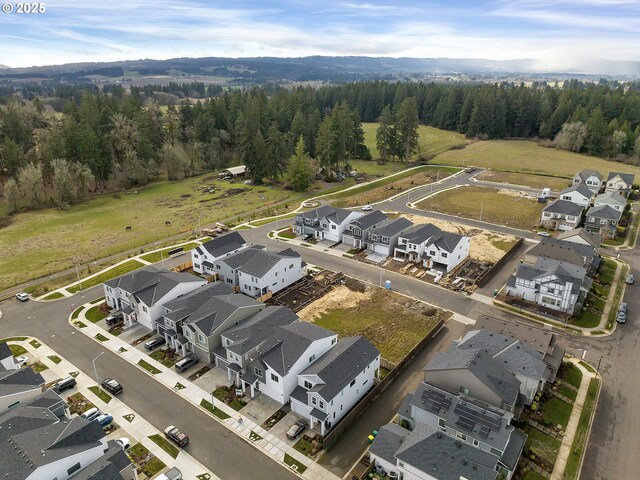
pixel 334 383
pixel 17 387
pixel 613 199
pixel 583 237
pixel 357 231
pixel 620 183
pixel 432 247
pixel 561 215
pixel 591 178
pixel 383 238
pixel 274 367
pixel 579 194
pixel 267 272
pixel 204 256
pixel 140 295
pixel 325 222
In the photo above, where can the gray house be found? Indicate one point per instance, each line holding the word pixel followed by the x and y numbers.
pixel 591 178
pixel 561 215
pixel 620 183
pixel 356 232
pixel 564 251
pixel 383 238
pixel 204 256
pixel 325 222
pixel 603 220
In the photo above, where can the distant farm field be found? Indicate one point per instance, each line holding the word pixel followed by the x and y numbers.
pixel 526 156
pixel 432 140
pixel 46 241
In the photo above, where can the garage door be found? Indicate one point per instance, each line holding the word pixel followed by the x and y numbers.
pixel 348 241
pixel 381 249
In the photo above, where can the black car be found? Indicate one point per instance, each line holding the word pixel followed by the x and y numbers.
pixel 64 384
pixel 186 363
pixel 156 342
pixel 176 436
pixel 115 319
pixel 111 386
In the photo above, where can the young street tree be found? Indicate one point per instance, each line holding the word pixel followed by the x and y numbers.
pixel 300 172
pixel 407 128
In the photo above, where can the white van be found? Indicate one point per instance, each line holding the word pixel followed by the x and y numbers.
pixel 91 413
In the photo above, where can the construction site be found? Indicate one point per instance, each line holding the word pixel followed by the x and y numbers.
pixel 307 290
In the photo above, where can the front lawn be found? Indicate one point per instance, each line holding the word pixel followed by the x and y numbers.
pixel 303 446
pixel 95 314
pixel 237 405
pixel 287 233
pixel 102 277
pixel 17 350
pixel 556 412
pixel 571 374
pixel 216 411
pixel 567 392
pixel 102 395
pixel 166 357
pixel 542 445
pixel 164 444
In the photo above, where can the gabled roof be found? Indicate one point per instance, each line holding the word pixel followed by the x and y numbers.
pixel 605 212
pixel 391 227
pixel 223 244
pixel 22 380
pixel 564 272
pixel 611 198
pixel 261 262
pixel 481 364
pixel 341 214
pixel 625 177
pixel 5 351
pixel 586 173
pixel 594 239
pixel 257 328
pixel 284 347
pixel 561 250
pixel 150 284
pixel 563 207
pixel 581 188
pixel 239 170
pixel 420 233
pixel 369 220
pixel 541 339
pixel 107 467
pixel 183 306
pixel 320 212
pixel 388 441
pixel 238 259
pixel 340 365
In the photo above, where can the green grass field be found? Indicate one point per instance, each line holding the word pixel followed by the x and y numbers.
pixel 432 140
pixel 164 253
pixel 97 228
pixel 498 208
pixel 556 411
pixel 121 269
pixel 528 180
pixel 542 444
pixel 525 156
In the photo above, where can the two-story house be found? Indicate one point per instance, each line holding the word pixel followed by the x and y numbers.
pixel 583 237
pixel 383 238
pixel 325 222
pixel 620 183
pixel 140 295
pixel 613 199
pixel 18 387
pixel 563 251
pixel 603 220
pixel 579 194
pixel 204 256
pixel 591 178
pixel 357 231
pixel 551 284
pixel 329 387
pixel 7 360
pixel 274 367
pixel 432 247
pixel 561 215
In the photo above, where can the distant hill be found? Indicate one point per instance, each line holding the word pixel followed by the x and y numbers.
pixel 273 69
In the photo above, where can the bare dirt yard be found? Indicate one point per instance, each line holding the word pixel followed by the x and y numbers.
pixel 485 246
pixel 392 322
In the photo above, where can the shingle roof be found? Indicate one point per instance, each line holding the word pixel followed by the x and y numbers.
pixel 626 177
pixel 420 233
pixel 514 448
pixel 388 441
pixel 107 467
pixel 586 173
pixel 611 198
pixel 287 343
pixel 320 212
pixel 183 306
pixel 563 207
pixel 224 244
pixel 575 253
pixel 540 339
pixel 22 380
pixel 581 188
pixel 5 351
pixel 369 220
pixel 604 211
pixel 238 259
pixel 391 227
pixel 261 263
pixel 257 328
pixel 340 365
pixel 594 239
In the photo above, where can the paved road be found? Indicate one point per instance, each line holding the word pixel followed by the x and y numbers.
pixel 212 444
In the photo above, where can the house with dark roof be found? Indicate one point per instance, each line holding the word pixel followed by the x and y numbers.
pixel 273 368
pixel 551 284
pixel 40 441
pixel 591 178
pixel 7 361
pixel 383 238
pixel 356 233
pixel 579 194
pixel 566 252
pixel 204 256
pixel 613 199
pixel 18 387
pixel 620 183
pixel 582 236
pixel 325 222
pixel 431 247
pixel 141 294
pixel 193 323
pixel 561 215
pixel 329 387
pixel 475 373
pixel 541 339
pixel 603 220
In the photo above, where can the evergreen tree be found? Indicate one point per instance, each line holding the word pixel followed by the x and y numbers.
pixel 596 132
pixel 386 135
pixel 406 127
pixel 276 153
pixel 300 173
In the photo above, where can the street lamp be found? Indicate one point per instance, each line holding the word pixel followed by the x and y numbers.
pixel 78 274
pixel 95 370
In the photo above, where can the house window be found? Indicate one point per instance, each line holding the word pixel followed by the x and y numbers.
pixel 333 341
pixel 257 371
pixel 441 422
pixel 401 464
pixel 312 358
pixel 353 382
pixel 314 401
pixel 476 443
pixel 320 404
pixel 461 436
pixel 201 338
pixel 277 273
pixel 464 390
pixel 275 378
pixel 229 280
pixel 333 227
pixel 217 267
pixel 73 469
pixel 291 266
pixel 444 255
pixel 144 309
pixel 307 384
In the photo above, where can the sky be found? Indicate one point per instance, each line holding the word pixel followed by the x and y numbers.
pixel 559 34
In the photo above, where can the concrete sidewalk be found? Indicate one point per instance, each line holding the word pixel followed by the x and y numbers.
pixel 137 430
pixel 570 432
pixel 238 423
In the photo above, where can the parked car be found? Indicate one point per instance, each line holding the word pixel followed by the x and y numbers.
pixel 186 363
pixel 115 318
pixel 91 414
pixel 174 434
pixel 111 386
pixel 296 429
pixel 623 307
pixel 621 318
pixel 21 361
pixel 156 342
pixel 104 419
pixel 630 279
pixel 22 296
pixel 65 384
pixel 543 234
pixel 367 208
pixel 123 442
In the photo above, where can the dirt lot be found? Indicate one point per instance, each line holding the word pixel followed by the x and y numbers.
pixel 392 322
pixel 485 246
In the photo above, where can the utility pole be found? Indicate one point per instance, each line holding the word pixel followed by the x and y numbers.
pixel 78 274
pixel 95 370
pixel 481 207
